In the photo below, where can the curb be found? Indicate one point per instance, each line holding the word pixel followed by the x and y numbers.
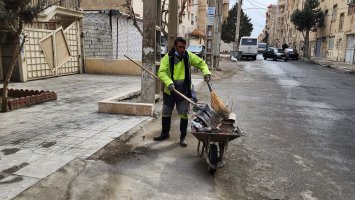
pixel 332 65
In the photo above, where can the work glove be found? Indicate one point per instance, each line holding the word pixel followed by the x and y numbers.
pixel 207 77
pixel 171 87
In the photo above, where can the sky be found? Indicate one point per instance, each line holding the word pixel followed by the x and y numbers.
pixel 255 9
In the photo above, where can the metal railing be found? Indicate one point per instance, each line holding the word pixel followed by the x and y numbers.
pixel 70 4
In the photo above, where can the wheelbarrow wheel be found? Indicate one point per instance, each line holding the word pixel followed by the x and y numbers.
pixel 213 158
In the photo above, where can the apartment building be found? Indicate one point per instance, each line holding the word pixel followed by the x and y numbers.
pixel 192 24
pixel 280 21
pixel 334 41
pixel 271 24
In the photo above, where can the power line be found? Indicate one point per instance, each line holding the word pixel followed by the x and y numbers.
pixel 255 6
pixel 259 3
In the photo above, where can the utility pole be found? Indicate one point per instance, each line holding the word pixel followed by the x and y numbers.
pixel 217 34
pixel 158 21
pixel 149 51
pixel 173 23
pixel 237 27
pixel 211 11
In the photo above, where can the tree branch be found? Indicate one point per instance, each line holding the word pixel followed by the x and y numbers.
pixel 132 14
pixel 181 13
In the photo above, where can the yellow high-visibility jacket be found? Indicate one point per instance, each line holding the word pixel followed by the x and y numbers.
pixel 164 72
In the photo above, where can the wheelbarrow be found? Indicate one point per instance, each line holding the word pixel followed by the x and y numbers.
pixel 213 141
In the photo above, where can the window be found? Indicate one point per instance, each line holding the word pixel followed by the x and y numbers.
pixel 326 12
pixel 249 41
pixel 341 22
pixel 331 42
pixel 334 14
pixel 351 9
pixel 339 44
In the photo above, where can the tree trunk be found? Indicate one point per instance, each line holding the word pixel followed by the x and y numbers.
pixel 306 46
pixel 14 57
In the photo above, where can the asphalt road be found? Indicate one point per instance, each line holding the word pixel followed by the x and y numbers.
pixel 299 121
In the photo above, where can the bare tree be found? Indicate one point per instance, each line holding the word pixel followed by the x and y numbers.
pixel 132 15
pixel 164 13
pixel 182 10
pixel 164 19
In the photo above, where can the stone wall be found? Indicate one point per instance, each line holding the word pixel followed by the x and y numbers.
pixel 111 37
pixel 97 36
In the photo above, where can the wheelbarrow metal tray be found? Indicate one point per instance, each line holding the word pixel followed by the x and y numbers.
pixel 215 137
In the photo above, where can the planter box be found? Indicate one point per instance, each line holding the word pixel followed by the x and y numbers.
pixel 28 97
pixel 127 105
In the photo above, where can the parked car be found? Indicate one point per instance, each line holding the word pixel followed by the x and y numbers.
pixel 275 54
pixel 292 53
pixel 163 46
pixel 261 47
pixel 197 49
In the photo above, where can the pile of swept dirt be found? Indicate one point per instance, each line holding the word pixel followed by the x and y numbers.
pixel 227 68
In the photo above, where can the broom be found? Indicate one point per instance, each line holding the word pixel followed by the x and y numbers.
pixel 217 103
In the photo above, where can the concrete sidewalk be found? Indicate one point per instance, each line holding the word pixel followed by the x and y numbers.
pixel 343 66
pixel 38 140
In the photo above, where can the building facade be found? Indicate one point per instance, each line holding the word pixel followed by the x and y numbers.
pixel 270 24
pixel 335 40
pixel 193 19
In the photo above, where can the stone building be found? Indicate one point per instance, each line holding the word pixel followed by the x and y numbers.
pixel 270 25
pixel 334 41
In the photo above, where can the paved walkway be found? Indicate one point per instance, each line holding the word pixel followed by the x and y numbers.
pixel 38 140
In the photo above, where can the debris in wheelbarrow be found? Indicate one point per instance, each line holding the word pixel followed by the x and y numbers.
pixel 209 121
pixel 206 116
pixel 214 135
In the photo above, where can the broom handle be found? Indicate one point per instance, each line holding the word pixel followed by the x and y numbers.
pixel 177 92
pixel 209 85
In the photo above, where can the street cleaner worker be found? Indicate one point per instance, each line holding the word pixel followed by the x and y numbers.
pixel 175 73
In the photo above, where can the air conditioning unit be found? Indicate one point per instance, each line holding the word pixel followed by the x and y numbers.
pixel 351 2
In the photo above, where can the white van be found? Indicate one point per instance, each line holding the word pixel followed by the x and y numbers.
pixel 249 47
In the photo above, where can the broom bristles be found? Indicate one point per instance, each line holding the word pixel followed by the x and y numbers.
pixel 218 105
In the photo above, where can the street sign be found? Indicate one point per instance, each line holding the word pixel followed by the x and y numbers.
pixel 211 10
pixel 210 15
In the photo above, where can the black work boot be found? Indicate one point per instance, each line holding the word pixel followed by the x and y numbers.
pixel 165 122
pixel 183 131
